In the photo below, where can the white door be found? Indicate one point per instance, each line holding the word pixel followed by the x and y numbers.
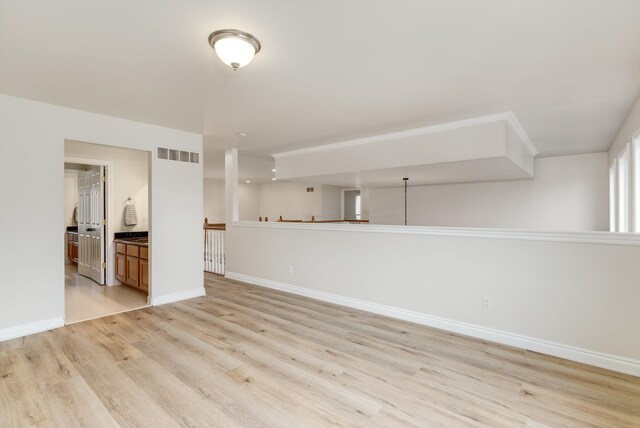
pixel 91 224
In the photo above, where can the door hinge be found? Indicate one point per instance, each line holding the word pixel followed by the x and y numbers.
pixel 104 265
pixel 104 222
pixel 104 179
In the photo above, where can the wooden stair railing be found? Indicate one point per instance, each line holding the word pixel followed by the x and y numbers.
pixel 214 226
pixel 313 220
pixel 280 219
pixel 214 257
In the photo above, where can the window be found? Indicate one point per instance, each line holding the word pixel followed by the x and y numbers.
pixel 358 209
pixel 624 190
pixel 635 186
pixel 613 197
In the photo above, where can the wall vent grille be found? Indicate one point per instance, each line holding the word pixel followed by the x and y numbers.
pixel 178 155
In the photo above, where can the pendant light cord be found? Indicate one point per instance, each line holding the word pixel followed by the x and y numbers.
pixel 405 200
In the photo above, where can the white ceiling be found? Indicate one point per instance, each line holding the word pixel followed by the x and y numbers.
pixel 335 69
pixel 470 171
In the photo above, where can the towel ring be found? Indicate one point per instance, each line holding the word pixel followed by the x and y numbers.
pixel 129 199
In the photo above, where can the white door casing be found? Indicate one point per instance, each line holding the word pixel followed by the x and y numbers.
pixel 91 248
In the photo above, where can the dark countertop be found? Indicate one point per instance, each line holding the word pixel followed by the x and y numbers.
pixel 135 238
pixel 141 241
pixel 128 235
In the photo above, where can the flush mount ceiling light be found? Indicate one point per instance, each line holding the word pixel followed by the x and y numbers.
pixel 234 47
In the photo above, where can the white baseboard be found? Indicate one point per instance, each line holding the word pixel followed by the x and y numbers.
pixel 31 328
pixel 176 297
pixel 598 359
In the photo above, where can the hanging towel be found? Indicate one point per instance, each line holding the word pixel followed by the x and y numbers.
pixel 75 214
pixel 130 216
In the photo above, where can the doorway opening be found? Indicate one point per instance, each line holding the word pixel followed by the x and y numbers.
pixel 107 248
pixel 351 204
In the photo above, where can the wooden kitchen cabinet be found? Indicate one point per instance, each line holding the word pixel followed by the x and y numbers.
pixel 121 267
pixel 132 270
pixel 132 265
pixel 144 275
pixel 72 247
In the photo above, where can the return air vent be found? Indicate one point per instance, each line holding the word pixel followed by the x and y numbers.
pixel 178 155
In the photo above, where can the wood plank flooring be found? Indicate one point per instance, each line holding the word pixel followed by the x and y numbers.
pixel 85 299
pixel 248 356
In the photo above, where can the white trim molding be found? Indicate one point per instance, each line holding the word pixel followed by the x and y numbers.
pixel 608 238
pixel 519 130
pixel 31 328
pixel 176 297
pixel 585 356
pixel 509 117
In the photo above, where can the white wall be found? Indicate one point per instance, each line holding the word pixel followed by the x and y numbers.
pixel 70 197
pixel 32 293
pixel 568 193
pixel 629 129
pixel 547 295
pixel 290 200
pixel 213 200
pixel 331 204
pixel 287 199
pixel 350 204
pixel 249 201
pixel 129 178
pixel 70 201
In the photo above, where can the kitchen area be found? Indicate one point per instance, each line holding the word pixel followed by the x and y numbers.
pixel 106 236
pixel 132 259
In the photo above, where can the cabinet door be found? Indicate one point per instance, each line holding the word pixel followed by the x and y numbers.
pixel 74 252
pixel 133 250
pixel 121 267
pixel 144 275
pixel 70 250
pixel 132 271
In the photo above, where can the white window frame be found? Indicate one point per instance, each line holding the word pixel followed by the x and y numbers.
pixel 634 180
pixel 613 196
pixel 358 206
pixel 624 189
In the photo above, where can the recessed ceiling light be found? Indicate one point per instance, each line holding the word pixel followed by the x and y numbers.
pixel 273 170
pixel 242 135
pixel 273 179
pixel 248 181
pixel 234 47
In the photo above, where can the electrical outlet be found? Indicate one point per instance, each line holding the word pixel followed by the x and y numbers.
pixel 290 268
pixel 486 303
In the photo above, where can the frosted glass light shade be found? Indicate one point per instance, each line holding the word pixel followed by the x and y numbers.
pixel 234 47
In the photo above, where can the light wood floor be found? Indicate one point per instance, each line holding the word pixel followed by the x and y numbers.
pixel 85 299
pixel 247 356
